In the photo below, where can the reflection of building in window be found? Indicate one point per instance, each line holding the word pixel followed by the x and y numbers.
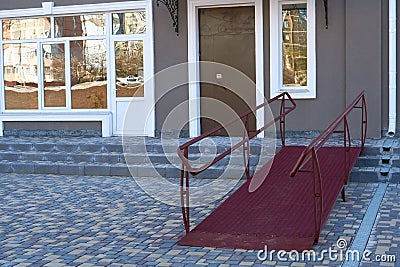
pixel 18 59
pixel 82 25
pixel 24 29
pixel 294 45
pixel 85 37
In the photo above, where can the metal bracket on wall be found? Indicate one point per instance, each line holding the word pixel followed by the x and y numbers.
pixel 172 6
pixel 326 13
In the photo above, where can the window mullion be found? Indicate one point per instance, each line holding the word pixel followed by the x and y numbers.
pixel 68 84
pixel 40 73
pixel 2 91
pixel 110 62
pixel 52 27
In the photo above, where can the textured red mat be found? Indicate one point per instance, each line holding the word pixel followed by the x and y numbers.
pixel 279 213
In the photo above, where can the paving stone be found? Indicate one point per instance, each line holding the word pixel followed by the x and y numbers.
pixel 10 156
pixel 364 176
pixel 5 167
pixel 110 221
pixel 46 168
pixel 395 177
pixel 71 169
pixel 119 171
pixel 99 170
pixel 22 167
pixel 367 162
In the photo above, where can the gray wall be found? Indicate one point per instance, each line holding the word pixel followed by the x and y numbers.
pixel 349 59
pixel 170 50
pixel 364 58
pixel 351 56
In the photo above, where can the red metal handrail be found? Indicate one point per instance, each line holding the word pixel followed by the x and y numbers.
pixel 251 134
pixel 310 153
pixel 319 141
pixel 183 150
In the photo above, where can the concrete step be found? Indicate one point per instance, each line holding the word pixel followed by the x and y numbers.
pixel 114 157
pixel 119 169
pixel 364 175
pixel 98 145
pixel 368 161
pixel 105 156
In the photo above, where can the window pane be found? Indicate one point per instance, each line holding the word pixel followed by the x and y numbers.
pixel 22 29
pixel 129 23
pixel 20 76
pixel 54 75
pixel 83 25
pixel 294 44
pixel 129 69
pixel 88 74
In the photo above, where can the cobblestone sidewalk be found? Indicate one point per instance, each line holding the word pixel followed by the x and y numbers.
pixel 102 221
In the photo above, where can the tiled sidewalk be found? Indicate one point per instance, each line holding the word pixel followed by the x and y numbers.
pixel 84 221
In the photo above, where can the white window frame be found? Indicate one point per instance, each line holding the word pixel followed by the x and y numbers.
pixel 276 79
pixel 66 113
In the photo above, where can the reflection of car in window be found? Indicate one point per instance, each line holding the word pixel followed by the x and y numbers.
pixel 132 78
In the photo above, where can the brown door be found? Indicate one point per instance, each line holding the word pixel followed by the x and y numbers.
pixel 227 35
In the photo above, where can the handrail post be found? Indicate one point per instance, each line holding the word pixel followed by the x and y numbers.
pixel 346 131
pixel 364 122
pixel 318 194
pixel 184 190
pixel 246 149
pixel 282 120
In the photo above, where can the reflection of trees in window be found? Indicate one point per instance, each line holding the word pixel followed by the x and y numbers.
pixel 129 23
pixel 88 74
pixel 88 61
pixel 82 25
pixel 129 68
pixel 128 58
pixel 294 45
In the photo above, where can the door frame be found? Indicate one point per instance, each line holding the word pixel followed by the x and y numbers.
pixel 193 58
pixel 148 60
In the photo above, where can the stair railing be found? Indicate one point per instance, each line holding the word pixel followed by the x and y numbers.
pixel 183 150
pixel 310 153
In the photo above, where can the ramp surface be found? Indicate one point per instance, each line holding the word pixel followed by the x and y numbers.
pixel 280 213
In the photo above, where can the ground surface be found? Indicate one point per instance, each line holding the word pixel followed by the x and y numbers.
pixel 103 221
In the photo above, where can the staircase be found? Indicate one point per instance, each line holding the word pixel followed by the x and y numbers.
pixel 379 162
pixel 95 156
pixel 105 157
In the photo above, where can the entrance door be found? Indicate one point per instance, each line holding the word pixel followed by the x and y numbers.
pixel 129 87
pixel 131 59
pixel 227 36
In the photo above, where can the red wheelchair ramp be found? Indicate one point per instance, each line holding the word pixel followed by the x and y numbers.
pixel 281 212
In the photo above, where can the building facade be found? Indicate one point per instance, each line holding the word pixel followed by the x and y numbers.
pixel 83 65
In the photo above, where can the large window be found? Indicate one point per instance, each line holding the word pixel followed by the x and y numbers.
pixel 293 48
pixel 62 62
